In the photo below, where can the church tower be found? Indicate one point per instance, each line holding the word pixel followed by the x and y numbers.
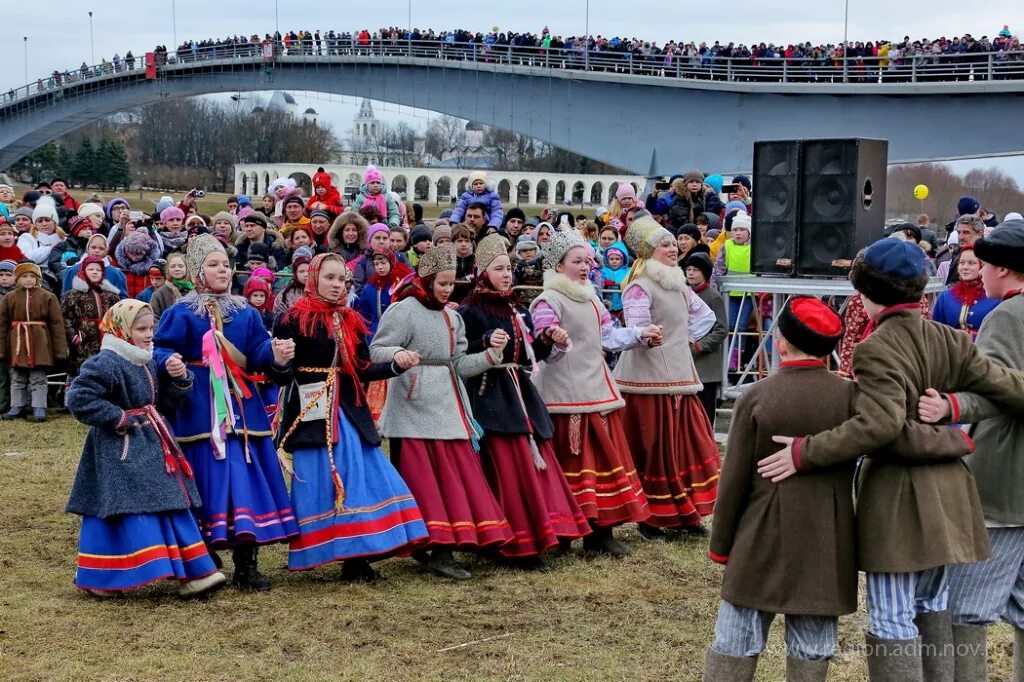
pixel 365 128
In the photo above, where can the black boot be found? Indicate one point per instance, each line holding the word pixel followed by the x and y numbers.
pixel 697 530
pixel 649 532
pixel 602 541
pixel 359 571
pixel 247 575
pixel 443 563
pixel 530 563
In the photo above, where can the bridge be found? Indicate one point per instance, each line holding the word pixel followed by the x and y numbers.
pixel 646 116
pixel 438 184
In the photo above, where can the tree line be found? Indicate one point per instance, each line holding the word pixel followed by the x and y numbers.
pixel 997 191
pixel 97 162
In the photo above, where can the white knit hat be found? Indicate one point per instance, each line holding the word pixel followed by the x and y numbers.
pixel 45 208
pixel 742 221
pixel 87 209
pixel 477 175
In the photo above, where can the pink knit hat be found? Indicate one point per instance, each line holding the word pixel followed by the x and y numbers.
pixel 372 175
pixel 375 228
pixel 170 213
pixel 625 191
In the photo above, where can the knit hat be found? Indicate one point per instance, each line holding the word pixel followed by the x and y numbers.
pixel 24 210
pixel 810 325
pixel 1013 215
pixel 419 234
pixel 198 251
pixel 490 247
pixel 515 212
pixel 743 180
pixel 372 174
pixel 77 224
pixel 137 245
pixel 735 206
pixel 702 262
pixel 262 273
pixel 438 259
pixel 625 191
pixel 244 212
pixel 715 182
pixel 690 229
pixel 322 213
pixel 258 252
pixel 117 201
pixel 442 232
pixel 258 218
pixel 477 175
pixel 28 268
pixel 294 199
pixel 165 202
pixel 644 234
pixel 224 215
pixel 244 200
pixel 303 254
pixel 375 229
pixel 321 179
pixel 693 176
pixel 45 208
pixel 171 213
pixel 741 221
pixel 87 209
pixel 559 245
pixel 525 242
pixel 159 266
pixel 7 265
pixel 1004 248
pixel 967 206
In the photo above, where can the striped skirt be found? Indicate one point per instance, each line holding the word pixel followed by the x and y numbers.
pixel 133 550
pixel 379 518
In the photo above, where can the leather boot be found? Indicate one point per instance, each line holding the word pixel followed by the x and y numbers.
pixel 359 571
pixel 443 563
pixel 1018 655
pixel 894 660
pixel 937 653
pixel 800 670
pixel 247 575
pixel 602 541
pixel 971 662
pixel 722 668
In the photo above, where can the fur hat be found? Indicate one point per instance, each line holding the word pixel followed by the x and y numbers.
pixel 702 262
pixel 229 217
pixel 559 245
pixel 45 208
pixel 490 247
pixel 28 268
pixel 372 174
pixel 137 245
pixel 87 209
pixel 810 325
pixel 625 190
pixel 644 234
pixel 171 213
pixel 474 176
pixel 442 232
pixel 1003 248
pixel 199 250
pixel 437 259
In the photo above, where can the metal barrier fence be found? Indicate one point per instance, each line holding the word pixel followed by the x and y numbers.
pixel 973 67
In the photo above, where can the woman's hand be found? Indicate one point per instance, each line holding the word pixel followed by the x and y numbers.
pixel 558 336
pixel 652 335
pixel 284 351
pixel 499 339
pixel 407 359
pixel 175 366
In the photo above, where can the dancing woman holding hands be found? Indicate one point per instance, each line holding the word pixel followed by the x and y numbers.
pixel 428 419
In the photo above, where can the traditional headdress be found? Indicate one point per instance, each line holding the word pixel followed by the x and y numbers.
pixel 562 241
pixel 437 259
pixel 643 236
pixel 490 247
pixel 198 250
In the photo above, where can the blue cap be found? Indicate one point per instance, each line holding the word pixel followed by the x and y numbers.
pixel 967 206
pixel 896 258
pixel 7 265
pixel 244 200
pixel 735 205
pixel 715 182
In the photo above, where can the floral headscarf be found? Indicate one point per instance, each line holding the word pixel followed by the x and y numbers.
pixel 120 317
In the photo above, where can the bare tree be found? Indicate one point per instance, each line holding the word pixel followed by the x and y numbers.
pixel 446 136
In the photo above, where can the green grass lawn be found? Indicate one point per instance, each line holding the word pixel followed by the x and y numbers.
pixel 648 617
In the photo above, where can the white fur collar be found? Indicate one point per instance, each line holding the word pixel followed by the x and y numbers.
pixel 671 278
pixel 133 354
pixel 78 284
pixel 577 291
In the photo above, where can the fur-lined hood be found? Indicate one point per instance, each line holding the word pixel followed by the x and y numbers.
pixel 346 218
pixel 78 284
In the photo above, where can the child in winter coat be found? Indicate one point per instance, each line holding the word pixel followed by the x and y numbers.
pixel 134 488
pixel 257 292
pixel 6 287
pixel 478 193
pixel 157 278
pixel 528 270
pixel 83 308
pixel 8 249
pixel 7 277
pixel 31 340
pixel 375 297
pixel 374 192
pixel 616 267
pixel 326 196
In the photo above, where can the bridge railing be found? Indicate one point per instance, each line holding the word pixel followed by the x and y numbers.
pixel 987 66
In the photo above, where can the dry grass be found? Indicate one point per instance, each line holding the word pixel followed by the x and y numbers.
pixel 649 617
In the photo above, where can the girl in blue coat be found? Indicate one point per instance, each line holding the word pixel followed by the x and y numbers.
pixel 134 488
pixel 225 433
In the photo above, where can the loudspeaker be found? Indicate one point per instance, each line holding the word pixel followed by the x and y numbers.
pixel 842 202
pixel 776 207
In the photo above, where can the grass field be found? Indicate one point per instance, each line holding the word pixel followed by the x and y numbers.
pixel 648 617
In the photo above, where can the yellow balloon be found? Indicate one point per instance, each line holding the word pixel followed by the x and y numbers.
pixel 921 192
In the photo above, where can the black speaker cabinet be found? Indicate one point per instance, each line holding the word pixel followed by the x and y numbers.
pixel 776 207
pixel 842 202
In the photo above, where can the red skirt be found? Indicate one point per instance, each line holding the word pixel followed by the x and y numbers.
pixel 448 483
pixel 538 504
pixel 594 454
pixel 674 449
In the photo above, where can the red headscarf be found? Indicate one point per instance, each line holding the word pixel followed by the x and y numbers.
pixel 397 273
pixel 89 260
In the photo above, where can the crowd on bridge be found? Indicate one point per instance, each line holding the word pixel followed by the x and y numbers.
pixel 538 380
pixel 884 59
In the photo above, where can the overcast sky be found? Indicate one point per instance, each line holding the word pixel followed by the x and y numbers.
pixel 59 37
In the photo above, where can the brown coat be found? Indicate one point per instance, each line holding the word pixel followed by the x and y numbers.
pixel 916 510
pixel 791 547
pixel 46 341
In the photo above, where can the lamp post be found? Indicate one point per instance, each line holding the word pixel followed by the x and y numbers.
pixel 25 38
pixel 846 39
pixel 92 42
pixel 586 40
pixel 174 25
pixel 410 16
pixel 277 20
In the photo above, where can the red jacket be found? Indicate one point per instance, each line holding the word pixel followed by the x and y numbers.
pixel 331 199
pixel 11 253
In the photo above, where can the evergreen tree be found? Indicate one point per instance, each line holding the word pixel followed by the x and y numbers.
pixel 114 169
pixel 42 164
pixel 83 170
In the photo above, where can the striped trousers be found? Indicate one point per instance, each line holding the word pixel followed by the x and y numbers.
pixel 743 632
pixel 895 599
pixel 983 592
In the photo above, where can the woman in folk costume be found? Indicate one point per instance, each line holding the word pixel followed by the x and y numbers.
pixel 668 432
pixel 517 454
pixel 582 397
pixel 428 420
pixel 134 487
pixel 225 433
pixel 83 308
pixel 351 504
